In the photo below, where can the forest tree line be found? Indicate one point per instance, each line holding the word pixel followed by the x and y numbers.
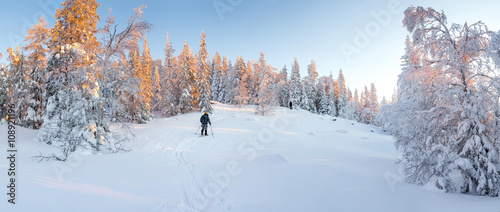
pixel 73 86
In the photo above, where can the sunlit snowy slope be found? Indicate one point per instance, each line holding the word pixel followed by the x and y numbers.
pixel 290 160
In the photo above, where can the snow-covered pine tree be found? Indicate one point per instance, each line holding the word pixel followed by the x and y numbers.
pixel 373 104
pixel 267 95
pixel 365 106
pixel 242 90
pixel 479 155
pixel 384 102
pixel 170 82
pixel 69 89
pixel 76 22
pixel 304 98
pixel 351 107
pixel 332 95
pixel 227 95
pixel 322 89
pixel 284 95
pixel 224 80
pixel 310 88
pixel 295 85
pixel 187 79
pixel 4 92
pixel 342 96
pixel 204 78
pixel 143 113
pixel 394 97
pixel 216 76
pixel 37 60
pixel 19 95
pixel 261 70
pixel 156 87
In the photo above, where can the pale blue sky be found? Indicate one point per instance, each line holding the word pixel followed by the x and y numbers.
pixel 315 29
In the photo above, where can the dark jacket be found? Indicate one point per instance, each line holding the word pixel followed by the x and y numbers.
pixel 204 119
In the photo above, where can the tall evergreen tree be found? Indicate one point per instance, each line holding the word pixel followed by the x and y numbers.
pixel 204 78
pixel 242 77
pixel 310 88
pixel 144 74
pixel 217 75
pixel 4 92
pixel 322 89
pixel 156 87
pixel 332 95
pixel 267 95
pixel 284 97
pixel 18 84
pixel 225 80
pixel 76 22
pixel 342 96
pixel 295 85
pixel 187 79
pixel 69 93
pixel 170 82
pixel 37 61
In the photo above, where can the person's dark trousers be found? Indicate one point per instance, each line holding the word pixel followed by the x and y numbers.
pixel 204 128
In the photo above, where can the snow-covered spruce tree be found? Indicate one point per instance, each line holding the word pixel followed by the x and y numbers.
pixel 479 156
pixel 322 89
pixel 239 83
pixel 143 113
pixel 227 95
pixel 295 85
pixel 19 95
pixel 261 69
pixel 310 88
pixel 332 96
pixel 170 82
pixel 242 91
pixel 304 98
pixel 76 22
pixel 4 92
pixel 351 107
pixel 267 95
pixel 216 76
pixel 68 92
pixel 342 96
pixel 394 98
pixel 156 87
pixel 284 84
pixel 37 41
pixel 187 79
pixel 204 78
pixel 372 104
pixel 366 113
pixel 224 81
pixel 33 117
pixel 446 105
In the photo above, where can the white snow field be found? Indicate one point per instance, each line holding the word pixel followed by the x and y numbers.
pixel 290 160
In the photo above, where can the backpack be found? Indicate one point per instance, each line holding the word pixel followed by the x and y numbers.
pixel 204 119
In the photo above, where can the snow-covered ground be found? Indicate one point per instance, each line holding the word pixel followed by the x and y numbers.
pixel 290 160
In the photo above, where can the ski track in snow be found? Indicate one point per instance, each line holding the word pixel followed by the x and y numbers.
pixel 192 178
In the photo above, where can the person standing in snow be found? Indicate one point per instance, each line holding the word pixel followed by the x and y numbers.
pixel 204 121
